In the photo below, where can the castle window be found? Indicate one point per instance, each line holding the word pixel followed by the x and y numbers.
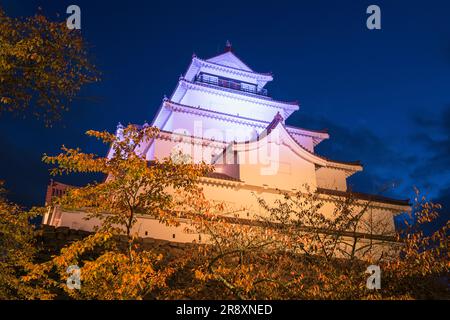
pixel 211 79
pixel 248 87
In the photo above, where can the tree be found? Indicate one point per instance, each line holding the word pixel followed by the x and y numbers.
pixel 18 250
pixel 292 250
pixel 160 189
pixel 295 251
pixel 423 259
pixel 236 261
pixel 340 234
pixel 43 66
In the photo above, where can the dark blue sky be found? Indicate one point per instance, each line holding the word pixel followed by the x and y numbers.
pixel 384 95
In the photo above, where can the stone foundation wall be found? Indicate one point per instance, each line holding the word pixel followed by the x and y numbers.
pixel 53 239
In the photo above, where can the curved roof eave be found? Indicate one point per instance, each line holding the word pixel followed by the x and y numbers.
pixel 299 149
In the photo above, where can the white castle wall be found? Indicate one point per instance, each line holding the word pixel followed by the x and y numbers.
pixel 276 167
pixel 213 129
pixel 245 107
pixel 169 144
pixel 331 178
pixel 239 201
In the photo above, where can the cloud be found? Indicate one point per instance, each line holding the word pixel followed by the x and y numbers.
pixel 444 214
pixel 385 167
pixel 434 136
pixel 421 159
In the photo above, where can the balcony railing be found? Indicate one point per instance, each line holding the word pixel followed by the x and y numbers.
pixel 230 84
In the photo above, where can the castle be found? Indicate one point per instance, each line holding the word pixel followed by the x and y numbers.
pixel 220 112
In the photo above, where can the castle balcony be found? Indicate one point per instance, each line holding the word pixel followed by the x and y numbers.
pixel 231 84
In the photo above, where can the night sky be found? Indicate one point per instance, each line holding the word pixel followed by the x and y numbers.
pixel 384 95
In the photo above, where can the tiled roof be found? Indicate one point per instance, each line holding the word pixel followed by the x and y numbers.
pixel 365 196
pixel 222 176
pixel 241 117
pixel 278 119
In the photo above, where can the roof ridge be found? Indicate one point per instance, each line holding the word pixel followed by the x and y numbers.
pixel 267 74
pixel 248 94
pixel 365 196
pixel 272 125
pixel 357 163
pixel 325 130
pixel 222 176
pixel 288 127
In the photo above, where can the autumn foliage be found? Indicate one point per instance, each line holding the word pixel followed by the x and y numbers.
pixel 18 250
pixel 112 263
pixel 43 66
pixel 290 251
pixel 294 251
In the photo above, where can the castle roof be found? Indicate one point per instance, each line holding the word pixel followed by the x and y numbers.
pixel 228 63
pixel 278 122
pixel 318 135
pixel 229 59
pixel 365 196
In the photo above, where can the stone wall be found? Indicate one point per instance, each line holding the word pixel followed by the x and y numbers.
pixel 53 239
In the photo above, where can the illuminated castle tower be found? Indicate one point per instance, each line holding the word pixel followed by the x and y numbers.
pixel 220 112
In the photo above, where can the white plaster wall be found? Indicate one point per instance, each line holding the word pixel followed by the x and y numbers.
pixel 162 148
pixel 210 128
pixel 239 201
pixel 276 166
pixel 144 227
pixel 330 178
pixel 220 103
